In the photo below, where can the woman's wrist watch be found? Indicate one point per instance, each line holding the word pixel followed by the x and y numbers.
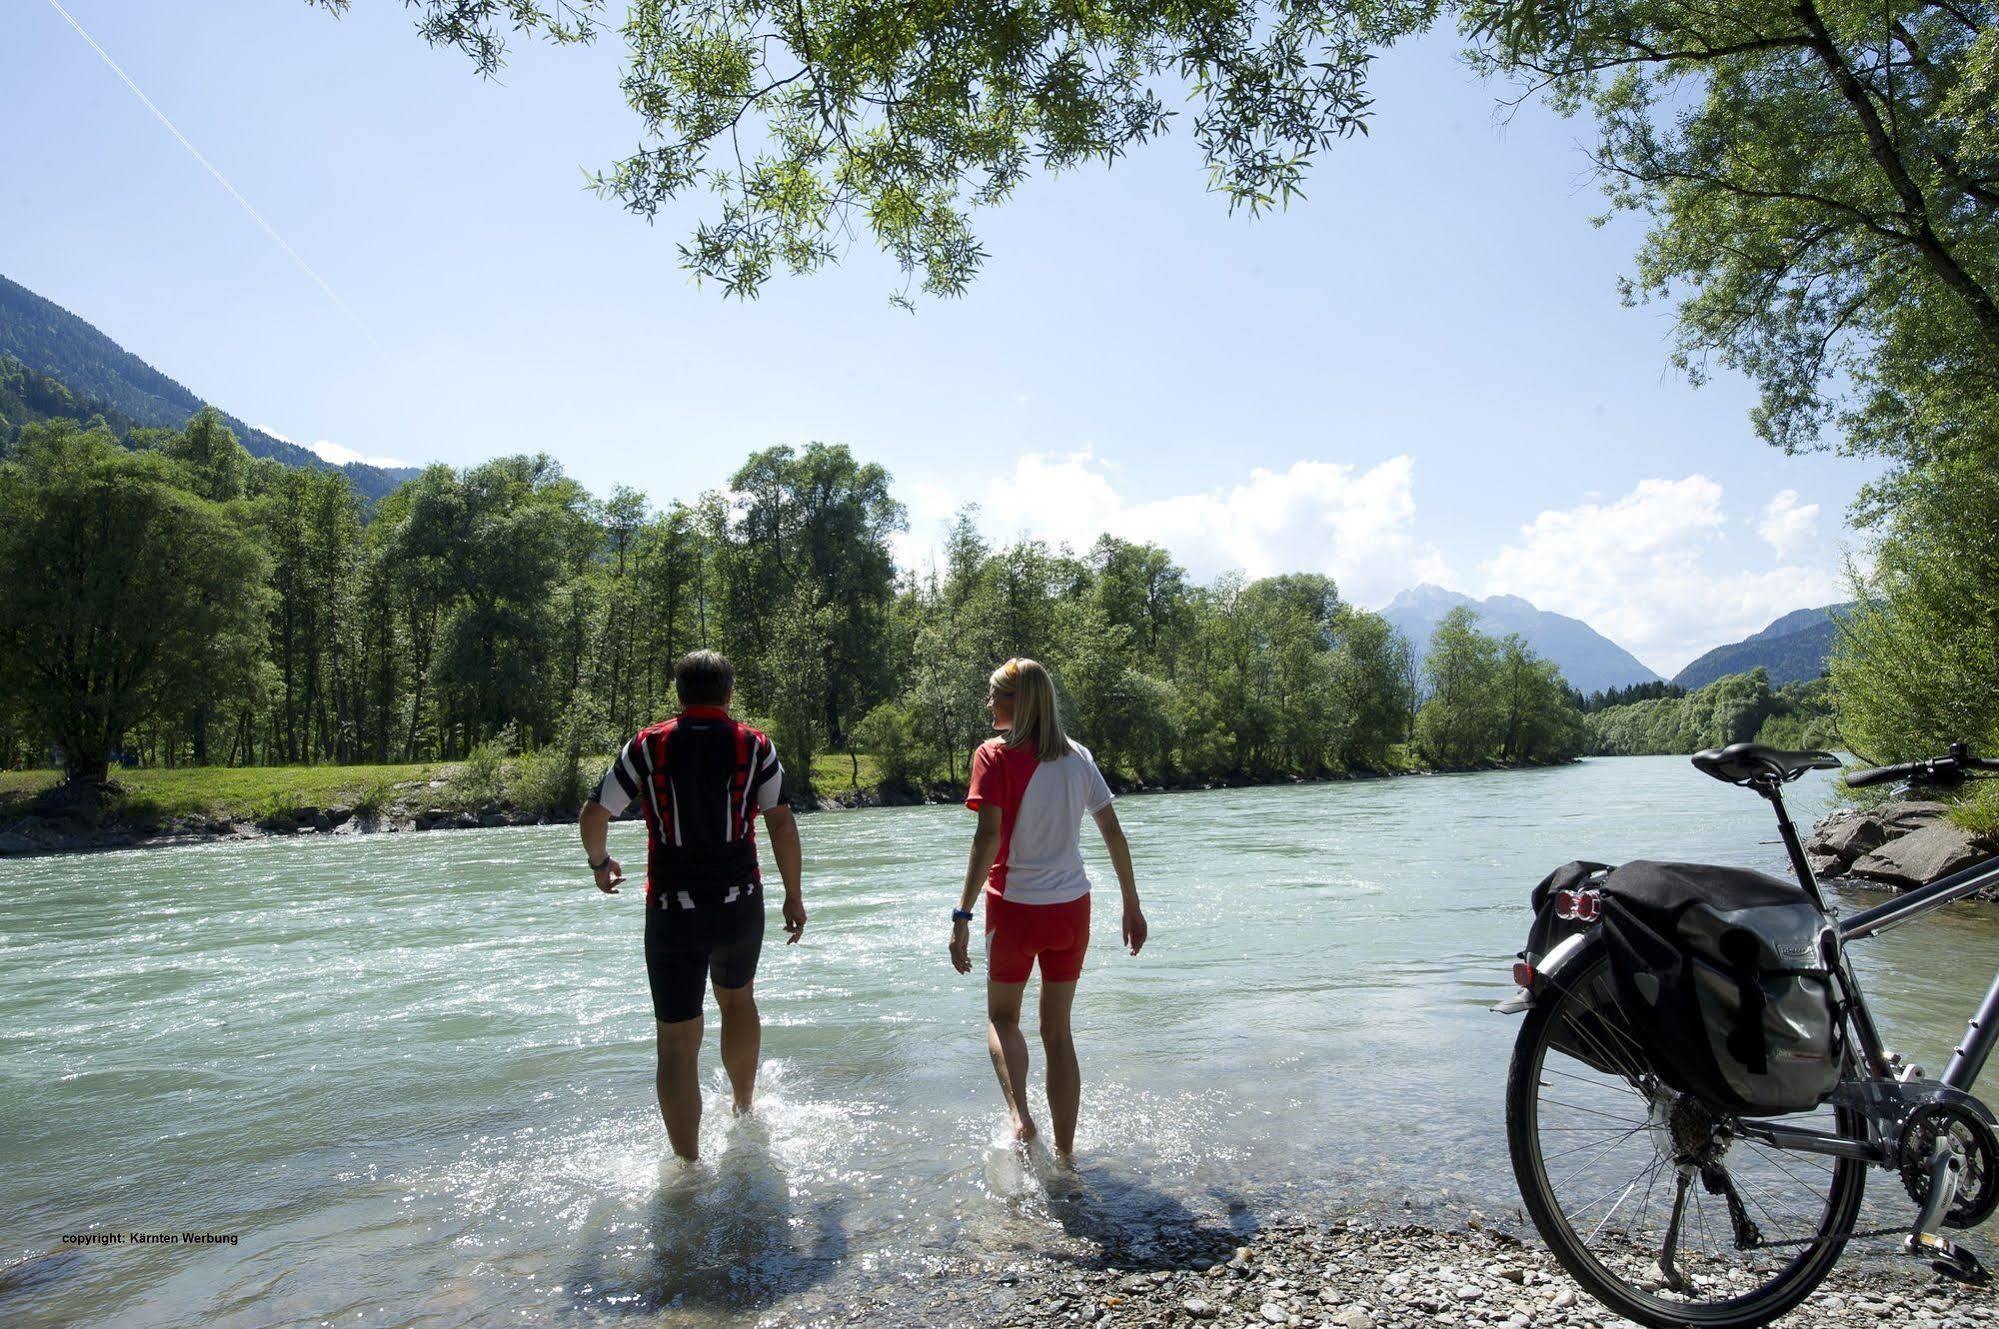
pixel 601 865
pixel 961 915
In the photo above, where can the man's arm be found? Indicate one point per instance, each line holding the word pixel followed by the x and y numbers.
pixel 594 823
pixel 782 824
pixel 985 848
pixel 1120 852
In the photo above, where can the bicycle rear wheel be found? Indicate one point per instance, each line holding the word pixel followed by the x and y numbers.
pixel 1647 1198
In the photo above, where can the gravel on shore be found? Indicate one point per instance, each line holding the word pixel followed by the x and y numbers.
pixel 1349 1274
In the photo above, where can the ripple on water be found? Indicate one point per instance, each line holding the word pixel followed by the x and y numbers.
pixel 414 1072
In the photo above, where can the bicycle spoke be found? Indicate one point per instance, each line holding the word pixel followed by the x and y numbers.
pixel 1606 1166
pixel 1577 1172
pixel 1650 1174
pixel 1616 1088
pixel 1589 1144
pixel 1594 1112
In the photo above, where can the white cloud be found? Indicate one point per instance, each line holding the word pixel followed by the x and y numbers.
pixel 1643 570
pixel 1314 516
pixel 329 451
pixel 1788 527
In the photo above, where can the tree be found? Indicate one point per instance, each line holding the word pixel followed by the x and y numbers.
pixel 1538 718
pixel 510 533
pixel 812 120
pixel 1141 587
pixel 1371 667
pixel 1733 709
pixel 807 540
pixel 311 527
pixel 1459 724
pixel 122 594
pixel 220 465
pixel 1822 181
pixel 1915 666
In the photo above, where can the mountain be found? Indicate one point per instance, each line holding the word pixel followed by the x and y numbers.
pixel 1791 649
pixel 1590 661
pixel 103 378
pixel 27 397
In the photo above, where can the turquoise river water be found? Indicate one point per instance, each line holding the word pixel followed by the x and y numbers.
pixel 411 1075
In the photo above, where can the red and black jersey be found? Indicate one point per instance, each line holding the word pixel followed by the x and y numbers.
pixel 700 777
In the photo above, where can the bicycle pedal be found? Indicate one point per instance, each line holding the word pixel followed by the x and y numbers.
pixel 1949 1259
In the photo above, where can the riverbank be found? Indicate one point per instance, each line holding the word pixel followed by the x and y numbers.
pixel 1342 1273
pixel 168 808
pixel 1899 844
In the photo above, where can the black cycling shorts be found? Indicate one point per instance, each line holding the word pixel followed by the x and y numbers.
pixel 685 948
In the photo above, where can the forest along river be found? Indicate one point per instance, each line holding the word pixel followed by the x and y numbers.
pixel 413 1073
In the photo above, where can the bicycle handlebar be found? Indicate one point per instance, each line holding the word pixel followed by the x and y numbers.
pixel 1947 769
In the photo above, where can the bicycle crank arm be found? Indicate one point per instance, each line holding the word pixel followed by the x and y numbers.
pixel 1925 1240
pixel 1945 1169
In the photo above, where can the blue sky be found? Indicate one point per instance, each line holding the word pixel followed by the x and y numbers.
pixel 1420 373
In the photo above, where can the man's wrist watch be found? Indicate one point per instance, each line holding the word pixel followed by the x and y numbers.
pixel 961 915
pixel 602 864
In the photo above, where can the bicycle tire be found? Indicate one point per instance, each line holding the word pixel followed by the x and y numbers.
pixel 1796 1281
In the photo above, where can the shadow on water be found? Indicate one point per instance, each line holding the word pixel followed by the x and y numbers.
pixel 726 1239
pixel 1135 1226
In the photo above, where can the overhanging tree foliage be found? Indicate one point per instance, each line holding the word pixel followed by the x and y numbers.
pixel 1822 181
pixel 813 121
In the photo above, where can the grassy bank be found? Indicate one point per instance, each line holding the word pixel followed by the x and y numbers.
pixel 530 782
pixel 238 791
pixel 235 792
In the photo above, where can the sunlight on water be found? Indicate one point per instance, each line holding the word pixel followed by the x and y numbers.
pixel 413 1074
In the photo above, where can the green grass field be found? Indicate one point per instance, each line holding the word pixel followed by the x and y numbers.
pixel 238 791
pixel 251 791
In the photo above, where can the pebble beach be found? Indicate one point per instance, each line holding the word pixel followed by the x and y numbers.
pixel 1352 1273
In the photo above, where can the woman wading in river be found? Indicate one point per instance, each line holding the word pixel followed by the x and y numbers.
pixel 1031 787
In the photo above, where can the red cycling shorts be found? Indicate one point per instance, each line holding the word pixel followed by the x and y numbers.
pixel 1017 933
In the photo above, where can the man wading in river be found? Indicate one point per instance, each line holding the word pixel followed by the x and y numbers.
pixel 701 777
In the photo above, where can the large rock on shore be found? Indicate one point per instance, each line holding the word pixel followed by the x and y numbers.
pixel 1901 844
pixel 1920 857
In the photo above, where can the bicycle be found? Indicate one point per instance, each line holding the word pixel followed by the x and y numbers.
pixel 1674 1213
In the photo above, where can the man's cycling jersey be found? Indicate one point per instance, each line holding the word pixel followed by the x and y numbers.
pixel 701 777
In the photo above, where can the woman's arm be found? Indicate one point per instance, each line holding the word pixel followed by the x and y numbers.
pixel 1120 852
pixel 985 848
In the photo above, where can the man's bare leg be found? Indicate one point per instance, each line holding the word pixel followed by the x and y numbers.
pixel 1065 1077
pixel 742 1040
pixel 1009 1052
pixel 679 1084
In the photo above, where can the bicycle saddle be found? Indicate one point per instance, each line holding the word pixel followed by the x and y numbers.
pixel 1741 763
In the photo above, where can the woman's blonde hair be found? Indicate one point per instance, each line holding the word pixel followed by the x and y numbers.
pixel 1036 720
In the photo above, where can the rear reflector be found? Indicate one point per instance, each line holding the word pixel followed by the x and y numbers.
pixel 1523 974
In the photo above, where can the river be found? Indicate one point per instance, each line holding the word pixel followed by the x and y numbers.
pixel 412 1074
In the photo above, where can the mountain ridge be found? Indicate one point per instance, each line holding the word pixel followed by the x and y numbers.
pixel 54 344
pixel 1590 661
pixel 1792 649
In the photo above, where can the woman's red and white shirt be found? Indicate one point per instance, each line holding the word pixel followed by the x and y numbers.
pixel 1042 804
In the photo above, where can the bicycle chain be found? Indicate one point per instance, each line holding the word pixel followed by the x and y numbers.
pixel 1851 1236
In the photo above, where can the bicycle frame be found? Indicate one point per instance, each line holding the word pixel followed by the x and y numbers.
pixel 1876 1093
pixel 1982 1034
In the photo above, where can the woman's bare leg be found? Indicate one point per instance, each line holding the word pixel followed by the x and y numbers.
pixel 1009 1051
pixel 1065 1077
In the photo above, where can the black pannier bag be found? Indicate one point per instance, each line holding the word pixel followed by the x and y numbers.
pixel 1722 973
